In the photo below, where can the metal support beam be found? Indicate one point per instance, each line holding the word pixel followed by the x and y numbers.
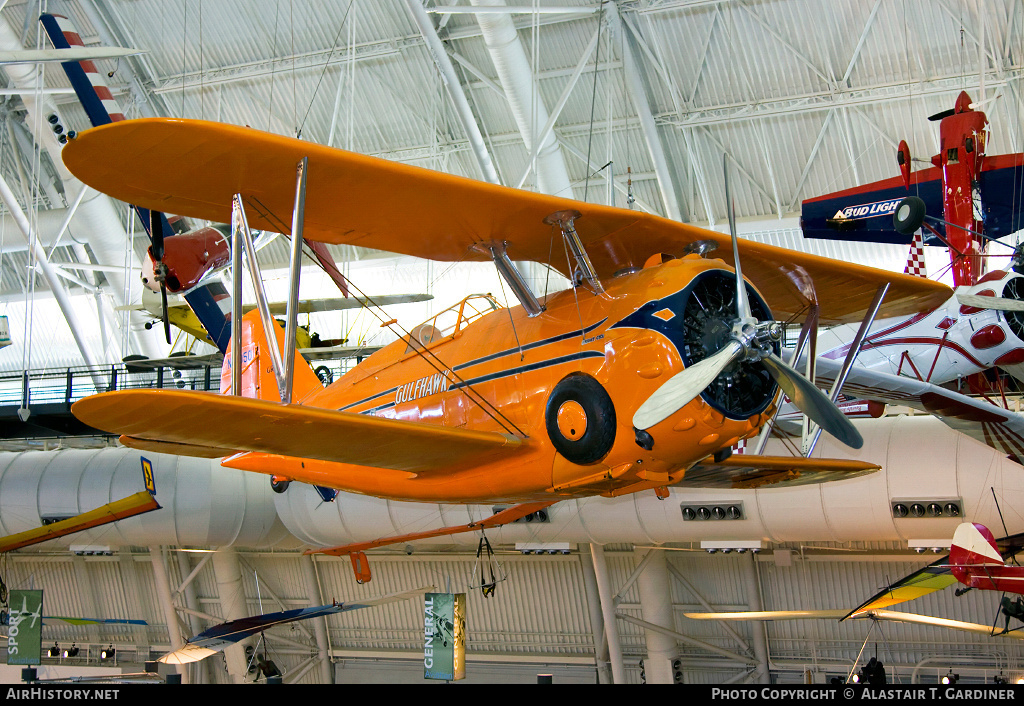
pixel 319 624
pixel 228 573
pixel 455 91
pixel 525 101
pixel 685 638
pixel 760 636
pixel 635 85
pixel 49 272
pixel 611 630
pixel 656 606
pixel 510 273
pixel 163 591
pixel 601 658
pixel 854 351
pixel 291 324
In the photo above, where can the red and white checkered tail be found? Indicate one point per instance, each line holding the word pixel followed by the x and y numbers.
pixel 915 258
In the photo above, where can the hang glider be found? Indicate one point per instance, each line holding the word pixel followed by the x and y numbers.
pixel 976 560
pixel 220 637
pixel 883 615
pixel 137 504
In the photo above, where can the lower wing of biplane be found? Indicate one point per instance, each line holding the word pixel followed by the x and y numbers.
pixel 143 501
pixel 220 637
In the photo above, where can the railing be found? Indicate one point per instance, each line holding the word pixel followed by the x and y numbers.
pixel 67 385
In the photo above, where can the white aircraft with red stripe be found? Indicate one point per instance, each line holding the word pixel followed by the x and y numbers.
pixel 981 327
pixel 910 361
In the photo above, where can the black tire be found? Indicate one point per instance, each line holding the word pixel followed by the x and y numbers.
pixel 909 215
pixel 325 375
pixel 599 436
pixel 279 486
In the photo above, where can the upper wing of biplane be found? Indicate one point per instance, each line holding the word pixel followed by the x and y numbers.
pixel 219 637
pixel 360 200
pixel 212 425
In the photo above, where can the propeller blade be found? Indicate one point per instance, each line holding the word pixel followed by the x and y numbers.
pixel 742 303
pixel 156 234
pixel 683 387
pixel 167 319
pixel 813 402
pixel 982 301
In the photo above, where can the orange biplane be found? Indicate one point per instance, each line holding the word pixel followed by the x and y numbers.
pixel 644 374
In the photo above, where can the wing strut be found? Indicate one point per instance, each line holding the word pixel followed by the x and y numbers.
pixel 241 236
pixel 851 356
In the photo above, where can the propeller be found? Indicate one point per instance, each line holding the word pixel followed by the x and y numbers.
pixel 156 232
pixel 982 301
pixel 749 340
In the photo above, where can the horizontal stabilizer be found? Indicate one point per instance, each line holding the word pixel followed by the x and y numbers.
pixel 204 419
pixel 219 637
pixel 504 517
pixel 748 471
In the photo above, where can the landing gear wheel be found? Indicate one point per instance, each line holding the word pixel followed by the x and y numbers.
pixel 909 215
pixel 278 485
pixel 325 375
pixel 580 419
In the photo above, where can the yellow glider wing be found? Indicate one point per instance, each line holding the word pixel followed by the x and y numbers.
pixel 360 200
pixel 197 420
pixel 133 505
pixel 934 577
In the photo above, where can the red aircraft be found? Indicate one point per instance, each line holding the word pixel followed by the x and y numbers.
pixel 964 198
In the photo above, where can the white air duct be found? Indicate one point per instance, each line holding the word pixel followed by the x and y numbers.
pixel 202 504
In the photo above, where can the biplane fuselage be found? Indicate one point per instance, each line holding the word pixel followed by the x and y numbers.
pixel 500 370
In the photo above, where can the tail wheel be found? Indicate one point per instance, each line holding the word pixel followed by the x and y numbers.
pixel 580 419
pixel 279 484
pixel 325 375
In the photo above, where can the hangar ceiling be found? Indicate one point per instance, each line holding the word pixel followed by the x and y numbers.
pixel 613 102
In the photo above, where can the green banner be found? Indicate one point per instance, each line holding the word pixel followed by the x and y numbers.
pixel 24 634
pixel 444 636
